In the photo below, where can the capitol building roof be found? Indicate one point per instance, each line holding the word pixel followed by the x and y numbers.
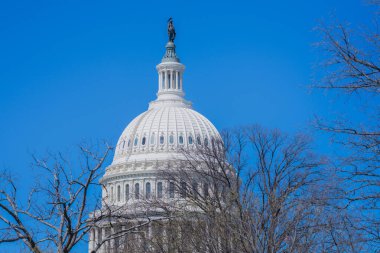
pixel 169 124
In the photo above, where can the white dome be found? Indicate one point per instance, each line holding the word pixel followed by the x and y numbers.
pixel 159 132
pixel 168 125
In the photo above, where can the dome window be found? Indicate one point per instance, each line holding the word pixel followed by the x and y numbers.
pixel 199 140
pixel 143 141
pixel 137 191
pixel 205 190
pixel 118 193
pixel 123 144
pixel 180 139
pixel 159 190
pixel 190 140
pixel 136 141
pixel 126 192
pixel 162 139
pixel 194 186
pixel 171 139
pixel 152 138
pixel 171 190
pixel 147 190
pixel 183 191
pixel 206 142
pixel 129 143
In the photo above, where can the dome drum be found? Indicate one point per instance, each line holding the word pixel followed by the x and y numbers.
pixel 164 129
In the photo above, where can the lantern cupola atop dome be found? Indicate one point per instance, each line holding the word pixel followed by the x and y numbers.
pixel 170 75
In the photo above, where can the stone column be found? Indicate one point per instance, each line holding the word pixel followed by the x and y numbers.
pixel 97 237
pixel 207 234
pixel 165 239
pixel 104 246
pixel 159 80
pixel 166 79
pixel 180 80
pixel 91 241
pixel 123 240
pixel 150 230
pixel 112 241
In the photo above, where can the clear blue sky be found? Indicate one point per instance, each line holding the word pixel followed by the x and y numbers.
pixel 82 70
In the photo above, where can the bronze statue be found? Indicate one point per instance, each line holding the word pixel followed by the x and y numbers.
pixel 171 30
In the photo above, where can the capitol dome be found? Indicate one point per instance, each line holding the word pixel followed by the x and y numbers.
pixel 168 126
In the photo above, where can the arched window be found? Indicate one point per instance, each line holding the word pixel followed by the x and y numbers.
pixel 159 190
pixel 183 189
pixel 190 140
pixel 171 190
pixel 194 187
pixel 136 141
pixel 206 142
pixel 205 190
pixel 147 190
pixel 169 81
pixel 171 139
pixel 180 139
pixel 143 140
pixel 118 193
pixel 152 139
pixel 126 192
pixel 123 144
pixel 199 140
pixel 162 139
pixel 137 191
pixel 111 194
pixel 129 143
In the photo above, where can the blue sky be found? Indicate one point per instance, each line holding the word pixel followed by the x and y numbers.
pixel 72 71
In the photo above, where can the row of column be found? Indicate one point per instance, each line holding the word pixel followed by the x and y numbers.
pixel 168 238
pixel 118 244
pixel 122 192
pixel 112 192
pixel 170 79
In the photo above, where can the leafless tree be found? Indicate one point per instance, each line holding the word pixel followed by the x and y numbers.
pixel 252 191
pixel 255 191
pixel 63 206
pixel 352 68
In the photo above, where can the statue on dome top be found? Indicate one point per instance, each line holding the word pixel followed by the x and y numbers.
pixel 171 30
